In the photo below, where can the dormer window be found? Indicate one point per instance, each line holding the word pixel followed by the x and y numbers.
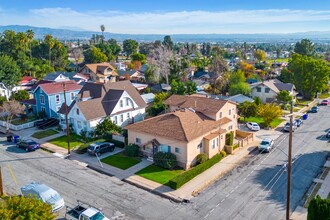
pixel 121 103
pixel 127 101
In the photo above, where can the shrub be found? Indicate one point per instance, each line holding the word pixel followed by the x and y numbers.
pixel 201 158
pixel 165 160
pixel 223 153
pixel 132 150
pixel 83 134
pixel 117 143
pixel 180 180
pixel 319 209
pixel 82 148
pixel 107 136
pixel 230 138
pixel 235 146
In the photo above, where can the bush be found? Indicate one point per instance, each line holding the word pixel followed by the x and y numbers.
pixel 107 136
pixel 82 148
pixel 230 138
pixel 235 146
pixel 132 150
pixel 180 180
pixel 201 158
pixel 117 143
pixel 223 153
pixel 165 160
pixel 319 209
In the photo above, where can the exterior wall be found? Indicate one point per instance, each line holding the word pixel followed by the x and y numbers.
pixel 127 101
pixel 263 95
pixel 78 119
pixel 128 117
pixel 39 105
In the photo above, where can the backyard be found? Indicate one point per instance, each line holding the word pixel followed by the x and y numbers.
pixel 75 141
pixel 260 121
pixel 159 174
pixel 43 134
pixel 121 161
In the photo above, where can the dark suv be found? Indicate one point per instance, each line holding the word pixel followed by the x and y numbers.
pixel 98 148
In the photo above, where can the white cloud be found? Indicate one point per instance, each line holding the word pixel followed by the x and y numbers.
pixel 181 22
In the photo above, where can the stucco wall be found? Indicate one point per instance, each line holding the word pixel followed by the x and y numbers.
pixel 263 95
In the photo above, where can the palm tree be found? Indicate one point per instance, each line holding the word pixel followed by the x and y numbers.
pixel 30 36
pixel 51 43
pixel 102 29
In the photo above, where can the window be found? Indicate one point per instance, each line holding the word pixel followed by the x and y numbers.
pixel 178 150
pixel 79 125
pixel 128 115
pixel 213 143
pixel 200 145
pixel 230 127
pixel 127 101
pixel 221 137
pixel 77 111
pixel 267 90
pixel 217 142
pixel 121 103
pixel 165 148
pixel 220 114
pixel 116 120
pixel 121 118
pixel 229 113
pixel 43 109
pixel 72 96
pixel 57 98
pixel 258 89
pixel 42 99
pixel 138 140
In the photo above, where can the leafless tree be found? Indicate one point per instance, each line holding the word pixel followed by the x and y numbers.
pixel 77 54
pixel 218 66
pixel 12 108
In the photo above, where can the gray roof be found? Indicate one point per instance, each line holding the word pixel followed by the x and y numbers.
pixel 124 72
pixel 239 98
pixel 53 76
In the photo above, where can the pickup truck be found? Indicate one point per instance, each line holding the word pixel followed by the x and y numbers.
pixel 83 211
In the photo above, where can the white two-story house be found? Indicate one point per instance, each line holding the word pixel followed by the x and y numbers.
pixel 118 100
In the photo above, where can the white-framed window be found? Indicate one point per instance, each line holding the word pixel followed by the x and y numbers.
pixel 79 124
pixel 229 113
pixel 127 101
pixel 165 148
pixel 220 114
pixel 116 120
pixel 230 127
pixel 42 99
pixel 138 140
pixel 267 90
pixel 72 96
pixel 258 89
pixel 121 118
pixel 57 99
pixel 217 142
pixel 121 103
pixel 200 145
pixel 43 109
pixel 178 150
pixel 213 143
pixel 128 115
pixel 221 136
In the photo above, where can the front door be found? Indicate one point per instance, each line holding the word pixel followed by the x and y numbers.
pixel 154 149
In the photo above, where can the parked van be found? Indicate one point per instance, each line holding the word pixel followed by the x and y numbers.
pixel 44 193
pixel 98 148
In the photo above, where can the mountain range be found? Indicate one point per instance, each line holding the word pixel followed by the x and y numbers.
pixel 66 34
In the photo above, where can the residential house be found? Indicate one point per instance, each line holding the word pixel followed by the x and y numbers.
pixel 49 97
pixel 201 85
pixel 194 125
pixel 4 91
pixel 148 98
pixel 66 76
pixel 268 90
pixel 161 87
pixel 99 72
pixel 132 75
pixel 118 100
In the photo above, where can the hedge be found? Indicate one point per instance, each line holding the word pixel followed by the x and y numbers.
pixel 201 158
pixel 230 138
pixel 235 146
pixel 132 150
pixel 117 143
pixel 185 177
pixel 318 209
pixel 165 160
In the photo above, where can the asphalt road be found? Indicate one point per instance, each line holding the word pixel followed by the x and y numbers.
pixel 255 189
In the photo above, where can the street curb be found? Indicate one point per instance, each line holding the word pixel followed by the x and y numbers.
pixel 172 198
pixel 99 170
pixel 47 149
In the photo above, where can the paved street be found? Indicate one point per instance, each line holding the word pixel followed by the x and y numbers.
pixel 255 189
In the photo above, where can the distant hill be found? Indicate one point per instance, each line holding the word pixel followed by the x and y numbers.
pixel 65 34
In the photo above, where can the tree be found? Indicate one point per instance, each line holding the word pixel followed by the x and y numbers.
pixel 20 95
pixel 305 47
pixel 152 74
pixel 257 100
pixel 50 41
pixel 10 73
pixel 102 29
pixel 239 88
pixel 130 46
pixel 156 109
pixel 139 57
pixel 167 42
pixel 247 109
pixel 12 108
pixel 107 127
pixel 284 96
pixel 248 69
pixel 115 48
pixel 161 97
pixel 30 36
pixel 269 112
pixel 318 209
pixel 20 207
pixel 218 66
pixel 260 55
pixel 106 49
pixel 94 55
pixel 191 87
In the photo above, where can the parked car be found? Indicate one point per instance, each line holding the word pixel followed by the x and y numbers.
pixel 51 122
pixel 84 211
pixel 287 126
pixel 98 148
pixel 28 145
pixel 253 126
pixel 328 133
pixel 45 194
pixel 266 145
pixel 314 109
pixel 325 102
pixel 298 122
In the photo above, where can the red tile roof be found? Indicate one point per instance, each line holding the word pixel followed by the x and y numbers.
pixel 57 87
pixel 26 79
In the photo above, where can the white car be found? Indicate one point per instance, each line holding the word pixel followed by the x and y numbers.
pixel 266 145
pixel 45 194
pixel 253 126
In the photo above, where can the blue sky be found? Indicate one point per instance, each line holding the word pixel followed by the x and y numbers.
pixel 171 16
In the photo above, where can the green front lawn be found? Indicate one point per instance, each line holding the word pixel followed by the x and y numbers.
pixel 121 161
pixel 260 121
pixel 43 134
pixel 158 174
pixel 62 141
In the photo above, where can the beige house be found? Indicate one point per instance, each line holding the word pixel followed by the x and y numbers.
pixel 268 90
pixel 195 125
pixel 99 72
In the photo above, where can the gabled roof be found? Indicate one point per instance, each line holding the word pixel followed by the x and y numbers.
pixel 26 79
pixel 180 125
pixel 200 104
pixel 124 72
pixel 104 98
pixel 275 85
pixel 239 98
pixel 99 67
pixel 57 87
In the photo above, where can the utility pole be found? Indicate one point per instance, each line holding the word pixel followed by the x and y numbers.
pixel 66 119
pixel 288 195
pixel 1 188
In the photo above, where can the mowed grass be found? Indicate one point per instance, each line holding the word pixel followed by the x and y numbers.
pixel 260 121
pixel 43 134
pixel 158 174
pixel 62 141
pixel 121 161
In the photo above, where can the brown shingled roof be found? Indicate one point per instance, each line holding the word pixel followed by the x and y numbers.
pixel 200 104
pixel 180 125
pixel 99 68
